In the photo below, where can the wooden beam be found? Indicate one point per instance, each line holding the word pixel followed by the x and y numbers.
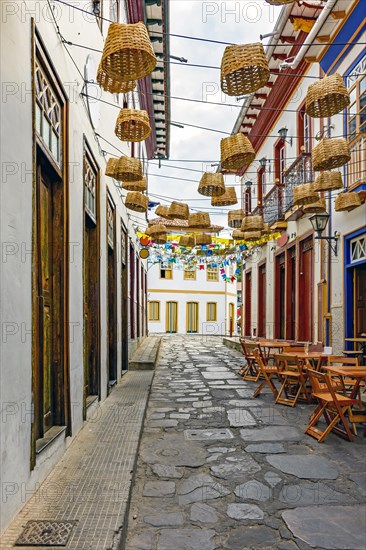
pixel 338 14
pixel 288 39
pixel 260 96
pixel 281 56
pixel 310 59
pixel 325 38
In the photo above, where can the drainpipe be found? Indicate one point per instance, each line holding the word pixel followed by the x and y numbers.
pixel 311 36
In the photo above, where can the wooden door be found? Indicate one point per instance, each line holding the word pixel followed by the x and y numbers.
pixel 262 294
pixel 132 293
pixel 280 279
pixel 124 299
pixel 112 293
pixel 171 316
pixel 192 317
pixel 138 295
pixel 291 294
pixel 231 317
pixel 248 304
pixel 306 292
pixel 360 300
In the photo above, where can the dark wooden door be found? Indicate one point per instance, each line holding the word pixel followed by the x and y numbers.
pixel 306 292
pixel 132 293
pixel 360 300
pixel 124 300
pixel 112 293
pixel 291 294
pixel 248 304
pixel 262 300
pixel 280 293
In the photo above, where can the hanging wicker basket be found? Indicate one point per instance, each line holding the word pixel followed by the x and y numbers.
pixel 316 207
pixel 305 194
pixel 347 201
pixel 279 2
pixel 139 185
pixel 238 235
pixel 112 85
pixel 136 201
pixel 212 185
pixel 132 125
pixel 252 235
pixel 203 239
pixel 163 212
pixel 229 198
pixel 236 152
pixel 252 223
pixel 161 238
pixel 128 53
pixel 244 69
pixel 188 241
pixel 199 220
pixel 266 229
pixel 330 153
pixel 157 229
pixel 235 218
pixel 328 181
pixel 124 169
pixel 179 211
pixel 327 97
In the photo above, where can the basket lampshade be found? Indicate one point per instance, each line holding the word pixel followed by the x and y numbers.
pixel 330 153
pixel 236 152
pixel 244 69
pixel 139 185
pixel 235 218
pixel 128 53
pixel 212 185
pixel 229 198
pixel 163 212
pixel 160 238
pixel 266 229
pixel 279 2
pixel 112 85
pixel 178 211
pixel 132 125
pixel 347 201
pixel 157 229
pixel 124 169
pixel 147 231
pixel 305 194
pixel 252 235
pixel 203 239
pixel 188 241
pixel 328 181
pixel 252 223
pixel 238 235
pixel 316 207
pixel 136 201
pixel 199 220
pixel 327 97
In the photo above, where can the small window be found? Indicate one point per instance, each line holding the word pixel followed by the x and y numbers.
pixel 211 311
pixel 166 273
pixel 212 273
pixel 190 274
pixel 154 311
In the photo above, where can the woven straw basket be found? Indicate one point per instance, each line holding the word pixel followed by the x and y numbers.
pixel 203 239
pixel 199 220
pixel 128 53
pixel 305 194
pixel 279 2
pixel 132 125
pixel 328 181
pixel 179 211
pixel 163 212
pixel 266 229
pixel 188 241
pixel 139 185
pixel 315 207
pixel 238 235
pixel 252 235
pixel 229 198
pixel 244 69
pixel 157 229
pixel 147 231
pixel 330 153
pixel 212 185
pixel 112 85
pixel 136 201
pixel 236 152
pixel 327 97
pixel 252 223
pixel 124 169
pixel 347 201
pixel 161 238
pixel 235 218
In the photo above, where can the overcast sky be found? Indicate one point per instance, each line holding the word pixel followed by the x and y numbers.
pixel 239 22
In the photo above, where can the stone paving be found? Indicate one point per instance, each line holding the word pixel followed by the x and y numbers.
pixel 218 469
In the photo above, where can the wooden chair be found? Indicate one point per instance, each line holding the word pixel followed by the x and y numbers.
pixel 293 380
pixel 331 405
pixel 347 383
pixel 267 372
pixel 251 370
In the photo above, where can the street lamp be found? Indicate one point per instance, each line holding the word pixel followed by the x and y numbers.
pixel 96 8
pixel 248 184
pixel 263 162
pixel 319 223
pixel 283 135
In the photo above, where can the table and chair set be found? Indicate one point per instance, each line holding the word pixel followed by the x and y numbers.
pixel 296 372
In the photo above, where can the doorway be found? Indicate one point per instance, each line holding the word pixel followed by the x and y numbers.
pixel 262 295
pixel 291 294
pixel 192 317
pixel 280 280
pixel 124 299
pixel 111 293
pixel 359 300
pixel 306 291
pixel 171 317
pixel 248 303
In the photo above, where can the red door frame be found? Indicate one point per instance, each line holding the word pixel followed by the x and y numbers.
pixel 261 321
pixel 280 261
pixel 305 305
pixel 291 292
pixel 248 302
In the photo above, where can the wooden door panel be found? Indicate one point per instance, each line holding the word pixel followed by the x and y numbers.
pixel 360 300
pixel 306 293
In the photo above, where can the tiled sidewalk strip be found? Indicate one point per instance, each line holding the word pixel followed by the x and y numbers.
pixel 92 482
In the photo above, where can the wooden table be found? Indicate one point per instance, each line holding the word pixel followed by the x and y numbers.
pixel 272 345
pixel 362 342
pixel 310 355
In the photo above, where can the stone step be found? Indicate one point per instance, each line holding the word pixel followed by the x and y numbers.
pixel 233 343
pixel 145 357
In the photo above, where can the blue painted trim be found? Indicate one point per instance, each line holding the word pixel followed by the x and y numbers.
pixel 348 284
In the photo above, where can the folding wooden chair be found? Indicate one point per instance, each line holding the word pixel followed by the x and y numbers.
pixel 348 384
pixel 331 405
pixel 293 380
pixel 267 371
pixel 251 369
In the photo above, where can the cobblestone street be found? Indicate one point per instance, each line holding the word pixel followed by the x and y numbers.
pixel 218 469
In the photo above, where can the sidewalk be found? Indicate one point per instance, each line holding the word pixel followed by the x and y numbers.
pixel 218 469
pixel 91 484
